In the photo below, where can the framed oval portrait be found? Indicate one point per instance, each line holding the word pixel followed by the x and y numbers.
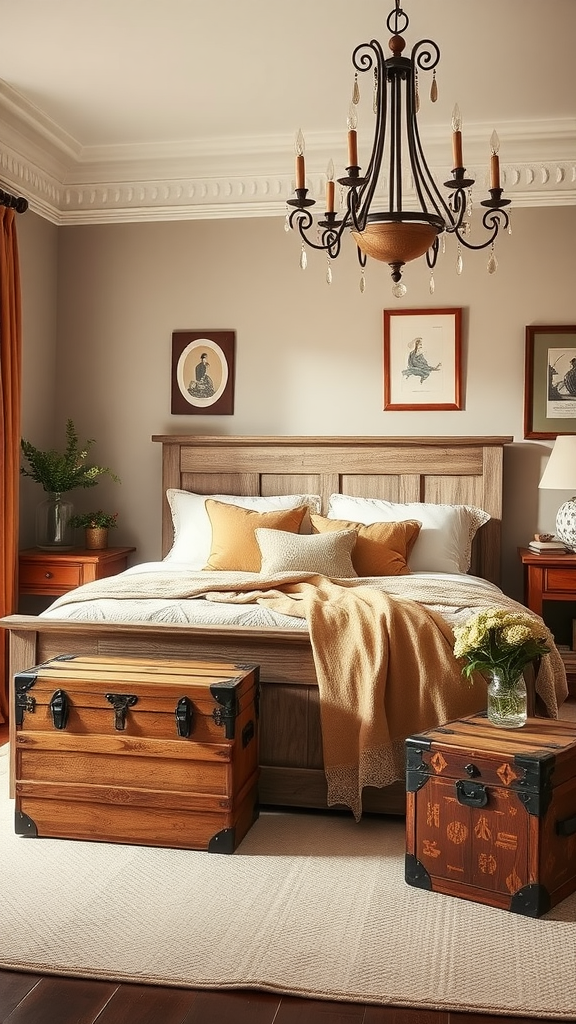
pixel 203 372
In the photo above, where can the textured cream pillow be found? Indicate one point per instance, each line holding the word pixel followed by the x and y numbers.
pixel 327 554
pixel 234 546
pixel 381 549
pixel 444 543
pixel 191 525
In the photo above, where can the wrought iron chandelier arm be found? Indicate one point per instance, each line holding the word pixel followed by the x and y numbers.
pixel 367 57
pixel 432 254
pixel 425 56
pixel 330 238
pixel 494 221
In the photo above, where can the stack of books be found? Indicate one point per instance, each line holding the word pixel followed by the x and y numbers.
pixel 548 547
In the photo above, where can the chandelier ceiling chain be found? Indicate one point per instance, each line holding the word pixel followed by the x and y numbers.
pixel 381 225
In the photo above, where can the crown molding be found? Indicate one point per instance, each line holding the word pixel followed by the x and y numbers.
pixel 244 177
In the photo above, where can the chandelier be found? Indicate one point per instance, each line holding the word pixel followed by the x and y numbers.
pixel 386 225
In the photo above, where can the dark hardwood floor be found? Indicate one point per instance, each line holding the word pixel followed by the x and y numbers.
pixel 44 999
pixel 35 999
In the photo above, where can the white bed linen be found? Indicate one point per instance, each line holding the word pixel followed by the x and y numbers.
pixel 197 611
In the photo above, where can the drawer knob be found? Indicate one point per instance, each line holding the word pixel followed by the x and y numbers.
pixel 48 575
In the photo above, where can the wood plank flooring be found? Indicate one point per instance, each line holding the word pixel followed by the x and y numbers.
pixel 34 999
pixel 44 999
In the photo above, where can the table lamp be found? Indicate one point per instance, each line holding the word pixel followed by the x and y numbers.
pixel 560 475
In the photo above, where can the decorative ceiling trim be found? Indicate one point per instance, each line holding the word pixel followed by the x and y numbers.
pixel 241 177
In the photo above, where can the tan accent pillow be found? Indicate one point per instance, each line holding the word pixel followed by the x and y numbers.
pixel 191 525
pixel 234 546
pixel 382 549
pixel 444 543
pixel 328 555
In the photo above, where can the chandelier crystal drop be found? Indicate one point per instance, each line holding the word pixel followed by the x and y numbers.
pixel 385 224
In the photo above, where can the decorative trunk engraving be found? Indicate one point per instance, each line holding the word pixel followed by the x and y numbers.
pixel 438 763
pixel 482 829
pixel 506 774
pixel 457 832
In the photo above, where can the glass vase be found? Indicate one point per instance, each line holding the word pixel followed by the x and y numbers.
pixel 507 705
pixel 53 529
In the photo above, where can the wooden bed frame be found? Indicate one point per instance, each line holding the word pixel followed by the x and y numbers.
pixel 451 470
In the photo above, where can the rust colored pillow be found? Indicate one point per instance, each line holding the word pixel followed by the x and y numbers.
pixel 234 546
pixel 382 549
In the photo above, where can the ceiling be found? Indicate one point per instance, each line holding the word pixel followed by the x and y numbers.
pixel 136 109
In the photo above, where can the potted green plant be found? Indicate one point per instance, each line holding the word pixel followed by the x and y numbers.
pixel 59 472
pixel 95 526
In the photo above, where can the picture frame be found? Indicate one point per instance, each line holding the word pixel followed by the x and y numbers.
pixel 423 359
pixel 203 372
pixel 549 376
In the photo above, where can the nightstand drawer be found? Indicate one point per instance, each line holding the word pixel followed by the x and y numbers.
pixel 560 580
pixel 50 574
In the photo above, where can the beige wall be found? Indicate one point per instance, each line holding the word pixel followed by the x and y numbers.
pixel 38 247
pixel 308 355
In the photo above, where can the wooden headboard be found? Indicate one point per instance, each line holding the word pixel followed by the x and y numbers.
pixel 449 470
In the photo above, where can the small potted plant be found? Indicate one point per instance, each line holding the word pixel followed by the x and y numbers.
pixel 95 526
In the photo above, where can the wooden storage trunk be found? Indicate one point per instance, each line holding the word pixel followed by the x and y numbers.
pixel 491 813
pixel 125 750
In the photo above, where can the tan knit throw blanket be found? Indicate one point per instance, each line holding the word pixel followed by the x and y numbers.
pixel 385 669
pixel 384 661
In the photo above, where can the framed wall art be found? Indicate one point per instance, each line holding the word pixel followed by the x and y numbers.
pixel 422 359
pixel 550 381
pixel 203 372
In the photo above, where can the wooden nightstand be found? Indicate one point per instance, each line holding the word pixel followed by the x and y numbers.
pixel 47 574
pixel 551 578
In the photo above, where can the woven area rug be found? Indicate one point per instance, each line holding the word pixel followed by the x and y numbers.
pixel 310 905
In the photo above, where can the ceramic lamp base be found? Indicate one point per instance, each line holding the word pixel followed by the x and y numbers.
pixel 566 523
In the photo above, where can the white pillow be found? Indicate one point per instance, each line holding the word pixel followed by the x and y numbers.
pixel 444 543
pixel 191 523
pixel 324 553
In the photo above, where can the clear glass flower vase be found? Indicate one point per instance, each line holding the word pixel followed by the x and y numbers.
pixel 53 529
pixel 507 705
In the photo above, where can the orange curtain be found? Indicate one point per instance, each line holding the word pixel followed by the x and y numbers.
pixel 10 392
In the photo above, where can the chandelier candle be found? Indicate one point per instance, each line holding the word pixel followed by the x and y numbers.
pixel 457 137
pixel 494 161
pixel 393 208
pixel 330 188
pixel 300 166
pixel 352 138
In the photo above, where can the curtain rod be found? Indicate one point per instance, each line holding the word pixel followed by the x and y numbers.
pixel 17 203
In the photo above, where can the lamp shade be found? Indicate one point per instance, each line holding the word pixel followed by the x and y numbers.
pixel 560 475
pixel 560 472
